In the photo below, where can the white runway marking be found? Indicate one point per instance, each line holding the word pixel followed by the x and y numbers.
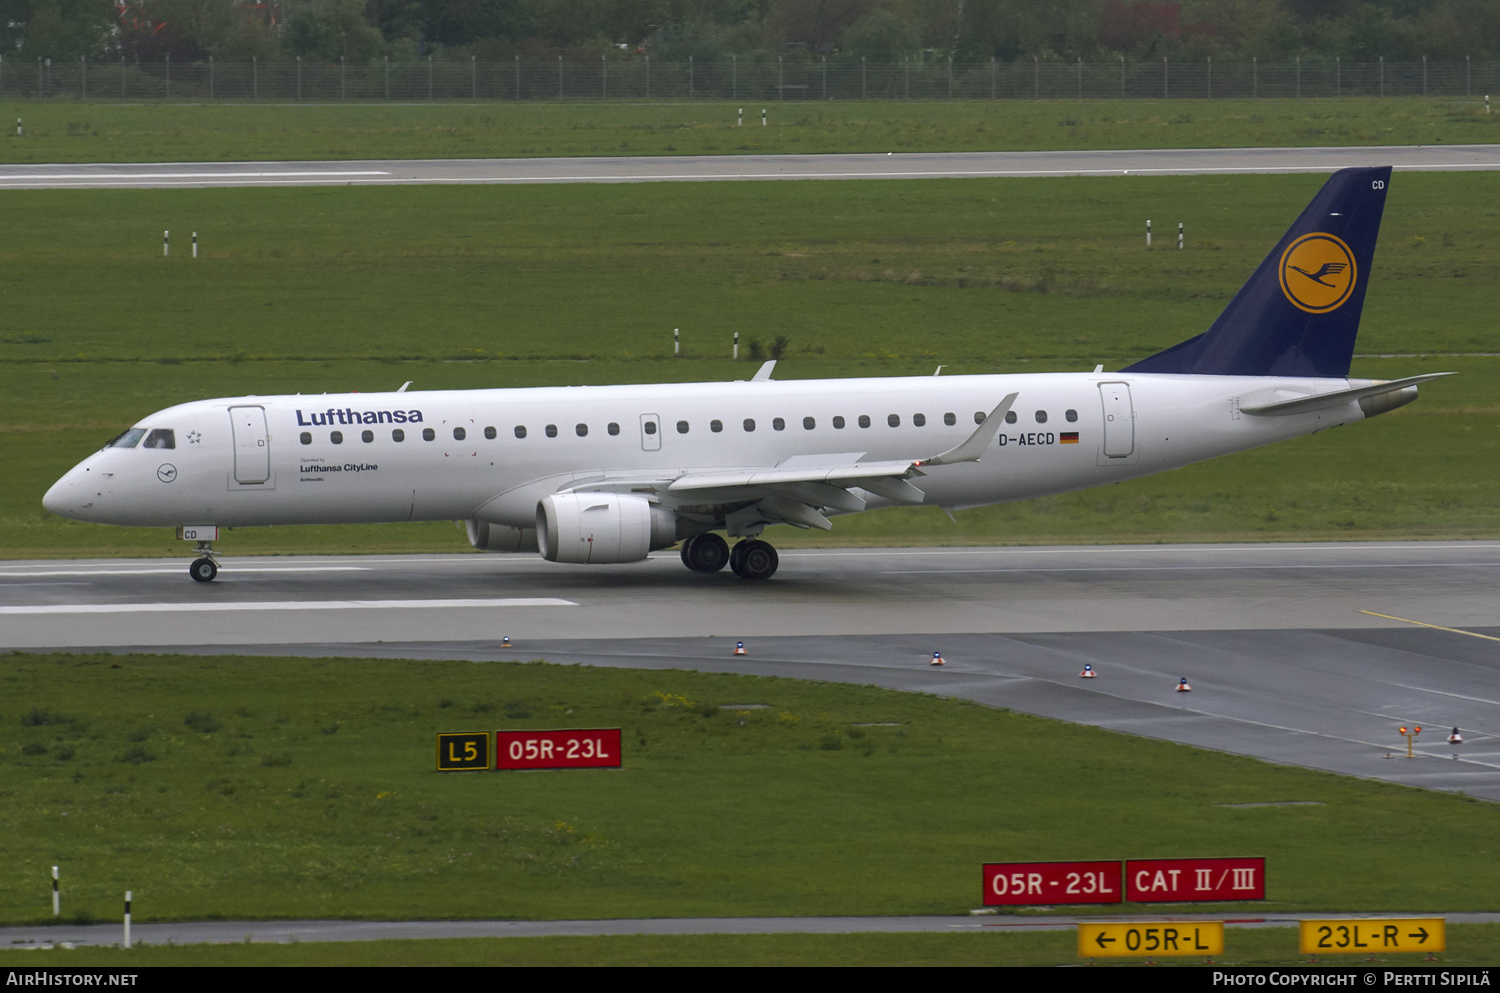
pixel 148 608
pixel 1165 550
pixel 90 176
pixel 175 570
pixel 1205 568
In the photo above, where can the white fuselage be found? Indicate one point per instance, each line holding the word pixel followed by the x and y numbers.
pixel 310 459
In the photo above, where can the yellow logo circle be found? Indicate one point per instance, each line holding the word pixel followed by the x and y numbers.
pixel 1317 272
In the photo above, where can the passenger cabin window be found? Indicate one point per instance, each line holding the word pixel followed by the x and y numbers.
pixel 682 427
pixel 128 439
pixel 398 435
pixel 950 418
pixel 1041 417
pixel 894 420
pixel 749 424
pixel 864 420
pixel 582 430
pixel 979 418
pixel 808 423
pixel 777 424
pixel 459 434
pixel 306 438
pixel 614 428
pixel 428 434
pixel 367 436
pixel 337 437
pixel 920 420
pixel 489 434
pixel 838 423
pixel 160 438
pixel 716 426
pixel 520 430
pixel 1071 416
pixel 1010 417
pixel 551 430
pixel 650 427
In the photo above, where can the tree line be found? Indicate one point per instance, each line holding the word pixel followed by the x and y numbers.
pixel 756 30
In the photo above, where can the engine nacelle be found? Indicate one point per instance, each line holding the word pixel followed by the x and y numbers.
pixel 499 538
pixel 598 528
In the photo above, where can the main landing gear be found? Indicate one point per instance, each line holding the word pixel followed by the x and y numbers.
pixel 705 552
pixel 754 559
pixel 751 559
pixel 204 568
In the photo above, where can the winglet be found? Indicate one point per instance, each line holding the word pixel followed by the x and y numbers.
pixel 763 375
pixel 977 442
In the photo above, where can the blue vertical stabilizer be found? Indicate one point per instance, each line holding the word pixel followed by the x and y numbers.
pixel 1299 314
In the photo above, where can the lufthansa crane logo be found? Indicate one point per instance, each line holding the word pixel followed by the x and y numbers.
pixel 1318 273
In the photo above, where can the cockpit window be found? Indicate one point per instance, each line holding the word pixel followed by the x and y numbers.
pixel 160 438
pixel 128 439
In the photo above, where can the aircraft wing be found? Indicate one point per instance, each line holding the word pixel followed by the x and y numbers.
pixel 797 490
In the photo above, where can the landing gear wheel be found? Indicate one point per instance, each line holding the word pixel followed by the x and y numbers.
pixel 203 570
pixel 754 559
pixel 705 552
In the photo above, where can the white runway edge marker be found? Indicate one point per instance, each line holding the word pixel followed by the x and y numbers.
pixel 126 943
pixel 145 608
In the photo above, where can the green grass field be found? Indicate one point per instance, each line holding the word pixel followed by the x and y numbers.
pixel 342 289
pixel 60 131
pixel 254 788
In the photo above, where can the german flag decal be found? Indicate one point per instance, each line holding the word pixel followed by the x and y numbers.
pixel 1068 438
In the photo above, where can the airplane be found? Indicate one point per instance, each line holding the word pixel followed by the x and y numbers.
pixel 608 474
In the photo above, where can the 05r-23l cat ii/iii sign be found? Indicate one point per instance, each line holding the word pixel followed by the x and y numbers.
pixel 607 474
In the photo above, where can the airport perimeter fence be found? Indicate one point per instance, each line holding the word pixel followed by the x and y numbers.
pixel 753 81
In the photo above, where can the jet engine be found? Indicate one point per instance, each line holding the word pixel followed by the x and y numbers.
pixel 601 528
pixel 499 538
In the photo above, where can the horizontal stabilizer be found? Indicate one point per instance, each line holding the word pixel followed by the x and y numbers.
pixel 1324 401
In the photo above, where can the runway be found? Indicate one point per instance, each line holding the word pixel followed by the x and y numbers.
pixel 1303 654
pixel 708 168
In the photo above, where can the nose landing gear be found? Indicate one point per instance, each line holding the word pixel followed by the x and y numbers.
pixel 204 568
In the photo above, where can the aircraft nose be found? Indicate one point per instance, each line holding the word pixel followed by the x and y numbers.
pixel 66 497
pixel 56 499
